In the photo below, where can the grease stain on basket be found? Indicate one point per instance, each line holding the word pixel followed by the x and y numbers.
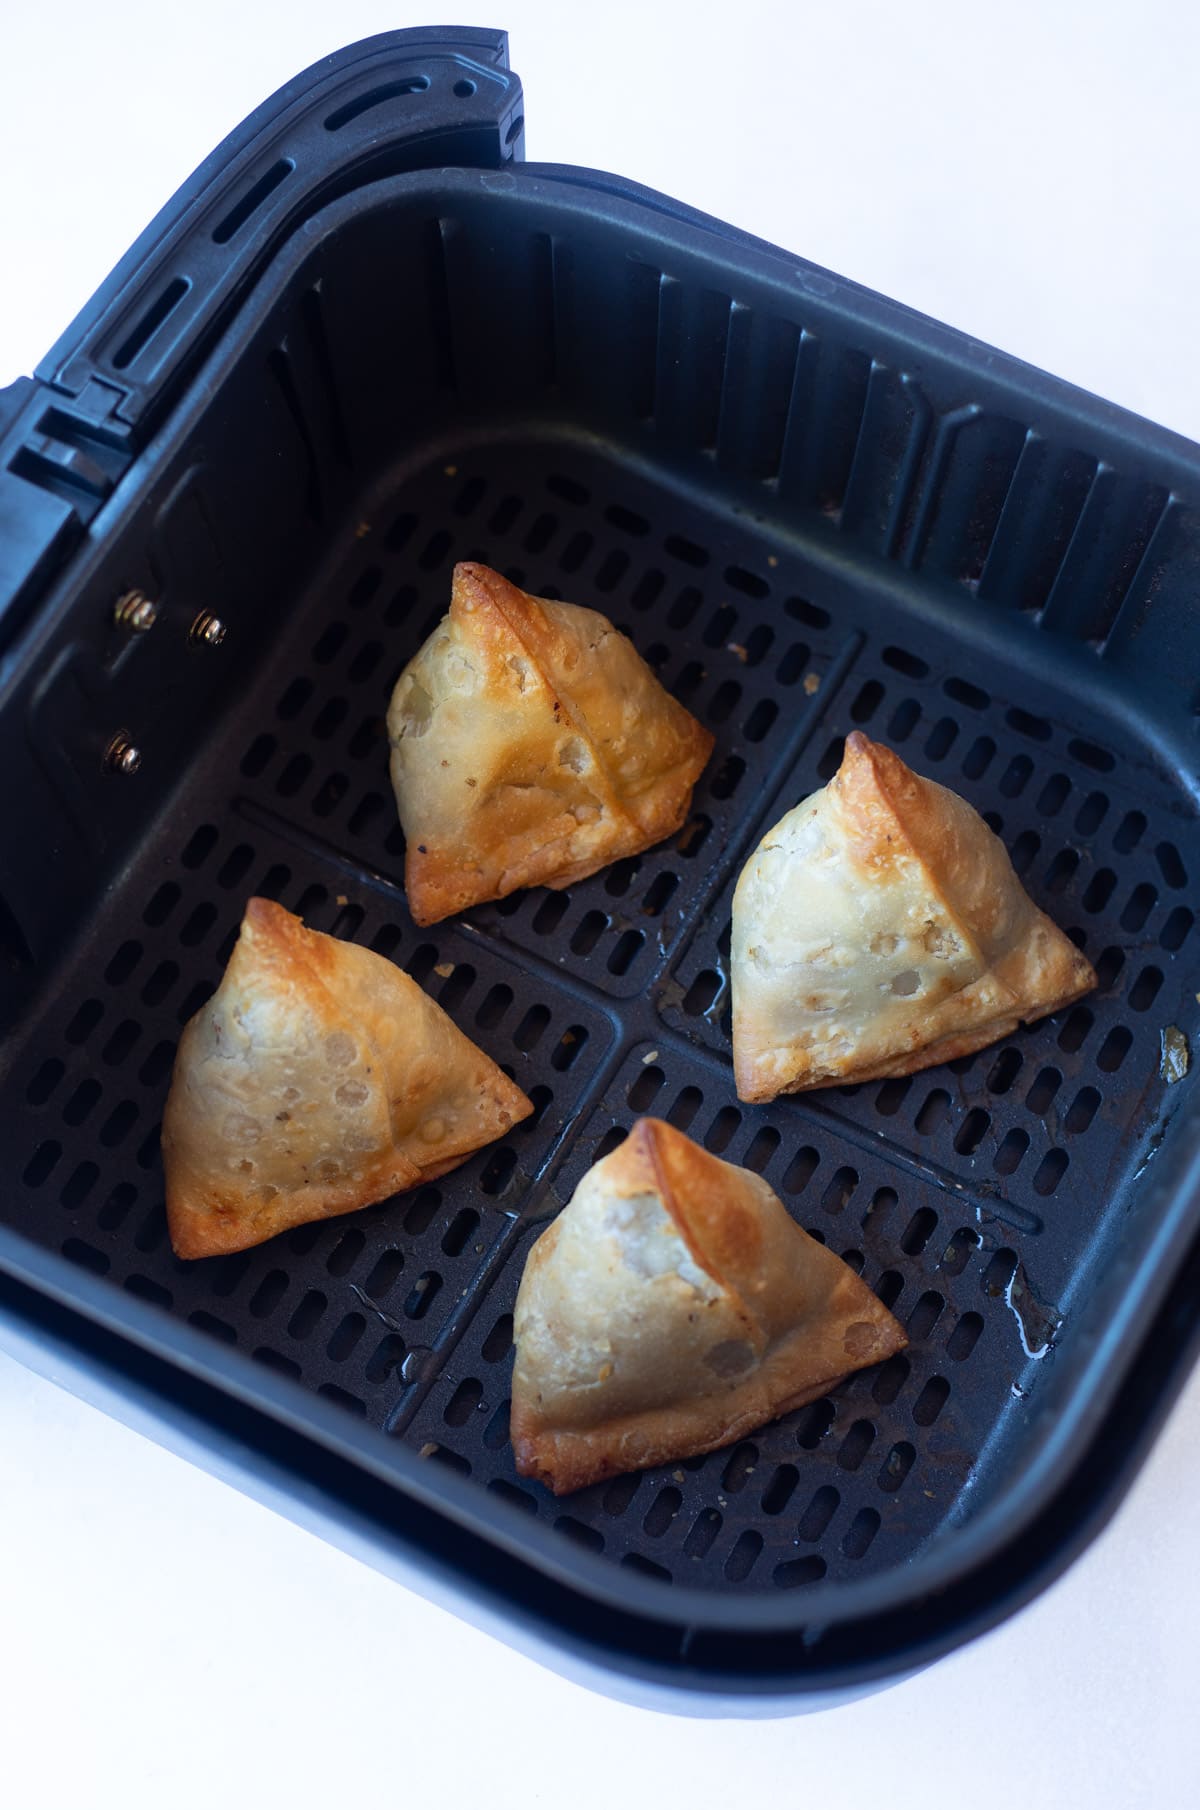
pixel 417 1365
pixel 1152 1148
pixel 1002 1211
pixel 544 1204
pixel 381 1313
pixel 670 994
pixel 1037 1321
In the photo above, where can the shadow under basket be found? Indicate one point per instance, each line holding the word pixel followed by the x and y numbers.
pixel 367 341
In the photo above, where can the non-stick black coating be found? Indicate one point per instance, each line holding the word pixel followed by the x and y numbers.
pixel 977 1199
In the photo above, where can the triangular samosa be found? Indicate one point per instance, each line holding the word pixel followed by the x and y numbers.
pixel 531 745
pixel 318 1078
pixel 672 1307
pixel 879 928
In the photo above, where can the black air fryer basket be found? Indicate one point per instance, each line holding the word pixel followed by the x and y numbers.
pixel 366 341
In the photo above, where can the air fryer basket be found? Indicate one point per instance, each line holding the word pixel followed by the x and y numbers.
pixel 332 368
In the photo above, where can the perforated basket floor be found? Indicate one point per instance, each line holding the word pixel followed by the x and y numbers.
pixel 978 1200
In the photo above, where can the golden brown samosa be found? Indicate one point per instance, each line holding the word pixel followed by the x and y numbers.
pixel 880 928
pixel 318 1078
pixel 531 745
pixel 672 1307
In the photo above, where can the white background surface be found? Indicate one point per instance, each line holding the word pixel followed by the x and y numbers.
pixel 1026 172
